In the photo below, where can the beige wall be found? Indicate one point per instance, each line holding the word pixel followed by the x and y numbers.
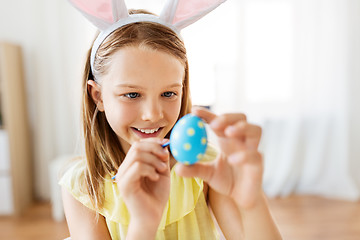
pixel 54 38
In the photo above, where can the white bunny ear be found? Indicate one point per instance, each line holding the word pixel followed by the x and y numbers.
pixel 182 13
pixel 102 13
pixel 120 10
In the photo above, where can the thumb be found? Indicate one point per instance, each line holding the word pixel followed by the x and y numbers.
pixel 200 170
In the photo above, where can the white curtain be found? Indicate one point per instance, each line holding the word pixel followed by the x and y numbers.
pixel 307 149
pixel 297 75
pixel 293 67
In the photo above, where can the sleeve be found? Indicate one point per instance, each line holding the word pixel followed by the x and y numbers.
pixel 114 208
pixel 73 180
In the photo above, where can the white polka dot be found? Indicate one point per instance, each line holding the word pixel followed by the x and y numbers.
pixel 174 152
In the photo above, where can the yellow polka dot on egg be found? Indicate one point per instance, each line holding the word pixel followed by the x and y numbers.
pixel 199 156
pixel 203 141
pixel 190 132
pixel 187 163
pixel 187 146
pixel 200 124
pixel 174 152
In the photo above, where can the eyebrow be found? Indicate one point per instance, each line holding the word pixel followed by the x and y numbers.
pixel 127 85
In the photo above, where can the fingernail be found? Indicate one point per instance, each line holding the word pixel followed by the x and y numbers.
pixel 232 159
pixel 164 151
pixel 163 165
pixel 230 129
pixel 176 168
pixel 215 124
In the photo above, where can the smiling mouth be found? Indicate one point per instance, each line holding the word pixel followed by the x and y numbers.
pixel 148 131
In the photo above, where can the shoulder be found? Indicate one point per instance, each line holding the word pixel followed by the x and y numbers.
pixel 73 180
pixel 83 222
pixel 73 172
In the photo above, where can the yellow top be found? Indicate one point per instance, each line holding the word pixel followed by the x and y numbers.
pixel 185 217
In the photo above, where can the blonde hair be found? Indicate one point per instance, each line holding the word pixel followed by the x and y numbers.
pixel 103 150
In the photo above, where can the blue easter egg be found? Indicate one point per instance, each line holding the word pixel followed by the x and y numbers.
pixel 188 139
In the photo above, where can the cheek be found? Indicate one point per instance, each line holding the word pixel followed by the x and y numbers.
pixel 174 111
pixel 118 114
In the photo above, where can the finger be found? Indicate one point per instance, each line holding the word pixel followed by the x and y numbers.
pixel 147 146
pixel 246 132
pixel 154 145
pixel 242 128
pixel 208 117
pixel 218 123
pixel 200 170
pixel 204 114
pixel 225 120
pixel 146 152
pixel 135 173
pixel 251 157
pixel 145 158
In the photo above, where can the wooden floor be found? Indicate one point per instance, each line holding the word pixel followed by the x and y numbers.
pixel 298 218
pixel 36 224
pixel 315 218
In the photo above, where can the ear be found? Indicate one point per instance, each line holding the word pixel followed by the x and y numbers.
pixel 94 90
pixel 182 13
pixel 102 13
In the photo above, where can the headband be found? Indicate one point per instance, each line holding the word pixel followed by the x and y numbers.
pixel 109 15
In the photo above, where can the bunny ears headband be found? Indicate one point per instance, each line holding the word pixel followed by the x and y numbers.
pixel 109 15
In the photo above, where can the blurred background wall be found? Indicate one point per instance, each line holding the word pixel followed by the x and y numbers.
pixel 54 39
pixel 291 65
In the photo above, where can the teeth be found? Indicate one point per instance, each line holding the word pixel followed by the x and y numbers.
pixel 148 131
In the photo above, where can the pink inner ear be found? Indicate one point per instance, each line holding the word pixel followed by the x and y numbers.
pixel 189 8
pixel 98 8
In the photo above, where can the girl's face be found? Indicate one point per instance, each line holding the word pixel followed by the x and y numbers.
pixel 141 94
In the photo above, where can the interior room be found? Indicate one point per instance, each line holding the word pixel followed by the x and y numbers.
pixel 292 66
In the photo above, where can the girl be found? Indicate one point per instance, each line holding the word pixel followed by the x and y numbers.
pixel 135 88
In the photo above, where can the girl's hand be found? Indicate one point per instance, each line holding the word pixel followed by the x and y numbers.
pixel 237 171
pixel 144 181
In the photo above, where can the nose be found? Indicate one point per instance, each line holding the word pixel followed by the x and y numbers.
pixel 152 111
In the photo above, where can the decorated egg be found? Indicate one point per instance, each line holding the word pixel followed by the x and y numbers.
pixel 188 139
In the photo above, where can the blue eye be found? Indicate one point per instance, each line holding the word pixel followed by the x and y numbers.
pixel 168 94
pixel 132 95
